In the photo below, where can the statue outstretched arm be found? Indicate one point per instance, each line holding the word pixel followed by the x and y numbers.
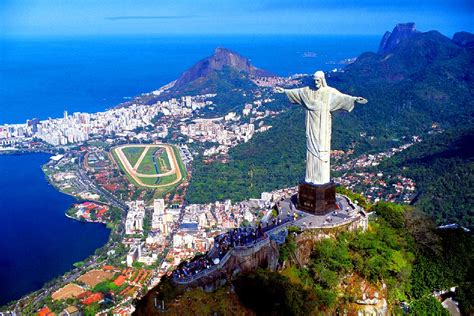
pixel 341 101
pixel 361 100
pixel 294 95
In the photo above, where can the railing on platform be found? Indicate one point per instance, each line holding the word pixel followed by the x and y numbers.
pixel 222 262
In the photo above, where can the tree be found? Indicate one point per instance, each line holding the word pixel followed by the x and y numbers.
pixel 138 265
pixel 92 309
pixel 392 213
pixel 465 297
pixel 427 305
pixel 79 264
pixel 428 274
pixel 105 287
pixel 422 228
pixel 287 249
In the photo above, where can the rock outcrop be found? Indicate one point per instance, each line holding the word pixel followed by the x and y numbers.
pixel 390 40
pixel 307 240
pixel 464 39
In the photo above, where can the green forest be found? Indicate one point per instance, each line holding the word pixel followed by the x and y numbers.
pixel 442 166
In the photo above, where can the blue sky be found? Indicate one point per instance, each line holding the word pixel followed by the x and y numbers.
pixel 103 17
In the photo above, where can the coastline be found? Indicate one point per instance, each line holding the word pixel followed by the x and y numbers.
pixel 18 152
pixel 85 220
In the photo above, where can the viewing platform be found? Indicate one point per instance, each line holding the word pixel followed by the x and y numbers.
pixel 248 248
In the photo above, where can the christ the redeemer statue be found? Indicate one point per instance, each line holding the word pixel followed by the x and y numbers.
pixel 319 104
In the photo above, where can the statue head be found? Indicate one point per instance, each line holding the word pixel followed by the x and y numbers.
pixel 319 79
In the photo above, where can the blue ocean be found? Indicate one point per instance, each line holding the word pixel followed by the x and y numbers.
pixel 42 77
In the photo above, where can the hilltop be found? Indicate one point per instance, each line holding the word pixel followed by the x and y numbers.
pixel 390 40
pixel 221 58
pixel 225 73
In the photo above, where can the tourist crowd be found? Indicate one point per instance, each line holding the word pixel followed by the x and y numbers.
pixel 237 237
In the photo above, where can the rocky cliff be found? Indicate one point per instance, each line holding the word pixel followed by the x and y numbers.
pixel 464 39
pixel 240 260
pixel 390 40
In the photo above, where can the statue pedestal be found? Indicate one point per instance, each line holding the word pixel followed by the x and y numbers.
pixel 317 199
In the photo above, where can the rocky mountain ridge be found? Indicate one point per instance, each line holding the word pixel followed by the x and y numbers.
pixel 220 59
pixel 225 73
pixel 401 32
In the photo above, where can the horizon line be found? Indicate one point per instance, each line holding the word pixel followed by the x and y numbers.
pixel 150 17
pixel 178 34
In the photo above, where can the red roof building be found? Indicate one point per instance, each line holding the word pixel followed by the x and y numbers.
pixel 96 297
pixel 119 280
pixel 45 311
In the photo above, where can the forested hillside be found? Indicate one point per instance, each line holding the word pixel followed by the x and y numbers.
pixel 443 168
pixel 401 249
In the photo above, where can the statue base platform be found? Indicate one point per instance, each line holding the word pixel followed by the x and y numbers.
pixel 318 199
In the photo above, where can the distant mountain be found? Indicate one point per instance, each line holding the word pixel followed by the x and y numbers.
pixel 390 40
pixel 464 39
pixel 420 53
pixel 426 78
pixel 225 73
pixel 221 59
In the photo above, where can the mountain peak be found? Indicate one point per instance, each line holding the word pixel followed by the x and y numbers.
pixel 401 32
pixel 464 39
pixel 223 50
pixel 220 59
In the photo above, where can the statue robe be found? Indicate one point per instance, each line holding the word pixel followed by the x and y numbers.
pixel 319 104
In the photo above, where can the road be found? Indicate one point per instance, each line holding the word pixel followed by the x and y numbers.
pixel 109 197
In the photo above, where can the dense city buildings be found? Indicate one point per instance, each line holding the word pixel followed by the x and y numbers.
pixel 135 217
pixel 80 127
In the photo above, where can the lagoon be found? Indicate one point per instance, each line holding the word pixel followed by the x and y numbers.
pixel 37 241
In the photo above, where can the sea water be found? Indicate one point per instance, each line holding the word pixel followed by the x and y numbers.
pixel 43 77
